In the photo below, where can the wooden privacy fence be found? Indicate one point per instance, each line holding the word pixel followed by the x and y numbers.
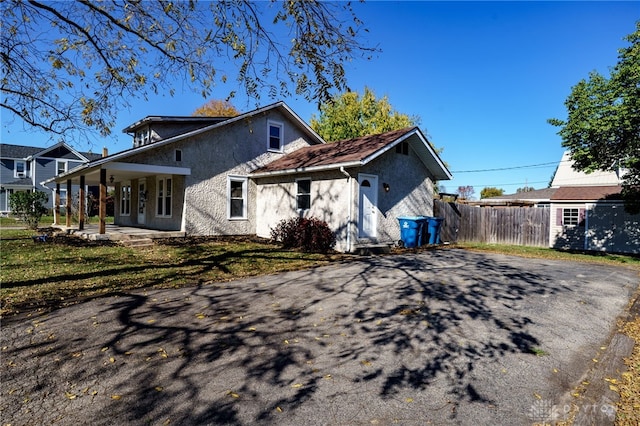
pixel 526 226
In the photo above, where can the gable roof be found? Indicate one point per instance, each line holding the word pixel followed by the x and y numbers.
pixel 18 151
pixel 587 193
pixel 355 152
pixel 95 165
pixel 26 152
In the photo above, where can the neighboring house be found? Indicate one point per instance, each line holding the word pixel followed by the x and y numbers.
pixel 22 168
pixel 587 211
pixel 242 175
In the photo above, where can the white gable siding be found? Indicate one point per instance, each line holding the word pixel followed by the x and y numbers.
pixel 567 176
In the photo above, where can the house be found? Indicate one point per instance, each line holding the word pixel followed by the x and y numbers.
pixel 586 210
pixel 22 168
pixel 242 175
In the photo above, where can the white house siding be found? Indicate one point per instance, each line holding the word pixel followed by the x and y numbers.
pixel 276 200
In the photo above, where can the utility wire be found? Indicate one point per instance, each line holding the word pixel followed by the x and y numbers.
pixel 507 168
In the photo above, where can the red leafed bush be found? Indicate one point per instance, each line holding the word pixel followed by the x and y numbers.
pixel 310 235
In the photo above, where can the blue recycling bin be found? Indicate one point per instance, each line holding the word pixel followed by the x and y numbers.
pixel 411 228
pixel 433 228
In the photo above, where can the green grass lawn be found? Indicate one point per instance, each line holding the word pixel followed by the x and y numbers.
pixel 37 276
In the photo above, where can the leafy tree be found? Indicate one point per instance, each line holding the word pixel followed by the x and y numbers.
pixel 525 189
pixel 72 65
pixel 28 206
pixel 350 115
pixel 491 192
pixel 466 192
pixel 216 108
pixel 601 130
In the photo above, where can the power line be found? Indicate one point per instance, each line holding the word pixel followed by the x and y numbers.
pixel 507 168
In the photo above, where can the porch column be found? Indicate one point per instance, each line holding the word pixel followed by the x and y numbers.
pixel 69 202
pixel 82 204
pixel 102 227
pixel 56 205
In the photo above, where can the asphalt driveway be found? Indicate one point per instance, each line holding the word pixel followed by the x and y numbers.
pixel 439 337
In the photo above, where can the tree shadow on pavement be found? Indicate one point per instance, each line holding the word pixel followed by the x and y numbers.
pixel 329 341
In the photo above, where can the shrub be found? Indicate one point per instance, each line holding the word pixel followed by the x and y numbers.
pixel 310 235
pixel 28 206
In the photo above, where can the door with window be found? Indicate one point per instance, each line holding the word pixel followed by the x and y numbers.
pixel 142 201
pixel 368 202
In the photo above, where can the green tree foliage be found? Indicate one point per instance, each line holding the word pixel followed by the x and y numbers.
pixel 72 65
pixel 216 108
pixel 28 206
pixel 491 191
pixel 602 130
pixel 350 115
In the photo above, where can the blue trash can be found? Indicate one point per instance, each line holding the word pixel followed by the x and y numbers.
pixel 433 227
pixel 411 228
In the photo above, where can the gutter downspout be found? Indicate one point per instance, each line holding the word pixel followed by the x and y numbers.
pixel 344 172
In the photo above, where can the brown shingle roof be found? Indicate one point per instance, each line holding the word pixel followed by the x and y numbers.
pixel 587 193
pixel 344 151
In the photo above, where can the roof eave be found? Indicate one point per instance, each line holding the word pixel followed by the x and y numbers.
pixel 312 169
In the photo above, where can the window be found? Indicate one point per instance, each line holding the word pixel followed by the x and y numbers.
pixel 303 198
pixel 178 155
pixel 125 200
pixel 61 167
pixel 570 217
pixel 275 137
pixel 237 196
pixel 21 169
pixel 141 137
pixel 163 207
pixel 402 148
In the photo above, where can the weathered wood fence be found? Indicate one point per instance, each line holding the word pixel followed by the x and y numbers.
pixel 527 226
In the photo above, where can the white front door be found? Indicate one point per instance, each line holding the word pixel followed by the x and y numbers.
pixel 142 201
pixel 368 202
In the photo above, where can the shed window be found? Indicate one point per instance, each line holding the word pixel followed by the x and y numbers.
pixel 571 217
pixel 303 197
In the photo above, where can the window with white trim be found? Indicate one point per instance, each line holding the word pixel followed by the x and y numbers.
pixel 142 137
pixel 125 200
pixel 164 194
pixel 303 194
pixel 275 136
pixel 20 170
pixel 570 217
pixel 237 197
pixel 61 167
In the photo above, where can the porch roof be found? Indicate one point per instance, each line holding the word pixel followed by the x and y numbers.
pixel 119 170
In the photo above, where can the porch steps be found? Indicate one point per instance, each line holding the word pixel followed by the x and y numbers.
pixel 368 249
pixel 136 242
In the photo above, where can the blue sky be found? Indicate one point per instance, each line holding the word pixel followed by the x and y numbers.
pixel 484 77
